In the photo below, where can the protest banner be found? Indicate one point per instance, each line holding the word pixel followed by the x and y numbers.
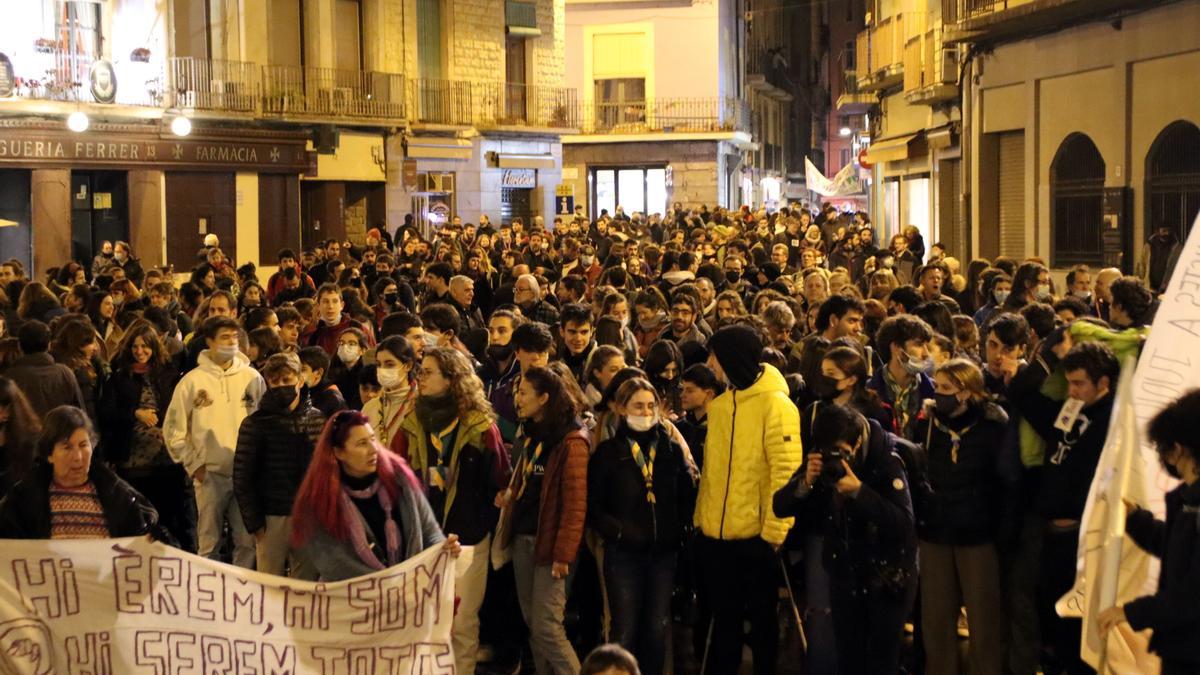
pixel 1110 569
pixel 844 183
pixel 131 606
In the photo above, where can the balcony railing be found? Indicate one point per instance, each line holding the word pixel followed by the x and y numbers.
pixel 511 104
pixel 433 101
pixel 879 52
pixel 665 115
pixel 768 66
pixel 63 75
pixel 930 68
pixel 208 84
pixel 292 90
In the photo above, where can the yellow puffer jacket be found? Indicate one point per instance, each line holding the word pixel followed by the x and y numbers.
pixel 752 449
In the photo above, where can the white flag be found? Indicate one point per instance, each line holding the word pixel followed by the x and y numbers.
pixel 1110 569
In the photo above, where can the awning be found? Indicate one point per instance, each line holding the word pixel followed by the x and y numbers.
pixel 510 161
pixel 889 149
pixel 438 147
pixel 942 137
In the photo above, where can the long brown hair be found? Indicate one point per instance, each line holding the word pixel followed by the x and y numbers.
pixel 140 328
pixel 465 386
pixel 20 431
pixel 72 338
pixel 35 301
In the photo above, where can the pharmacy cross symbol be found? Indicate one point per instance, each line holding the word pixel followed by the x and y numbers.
pixel 274 154
pixel 177 151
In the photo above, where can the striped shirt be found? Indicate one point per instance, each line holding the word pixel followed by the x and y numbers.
pixel 76 513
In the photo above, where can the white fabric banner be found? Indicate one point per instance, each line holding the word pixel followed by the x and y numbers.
pixel 130 606
pixel 1111 569
pixel 843 184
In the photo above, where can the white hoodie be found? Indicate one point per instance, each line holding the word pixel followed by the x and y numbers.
pixel 201 428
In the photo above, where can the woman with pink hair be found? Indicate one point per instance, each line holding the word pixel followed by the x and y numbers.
pixel 360 509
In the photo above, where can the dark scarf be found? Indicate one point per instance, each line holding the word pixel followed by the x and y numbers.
pixel 355 525
pixel 436 412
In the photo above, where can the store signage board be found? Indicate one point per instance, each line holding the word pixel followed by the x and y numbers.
pixel 131 151
pixel 518 178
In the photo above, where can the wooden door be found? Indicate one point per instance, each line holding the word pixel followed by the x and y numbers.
pixel 199 204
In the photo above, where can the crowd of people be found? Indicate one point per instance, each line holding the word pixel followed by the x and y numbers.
pixel 642 424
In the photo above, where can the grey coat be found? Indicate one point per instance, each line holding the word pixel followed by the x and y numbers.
pixel 336 560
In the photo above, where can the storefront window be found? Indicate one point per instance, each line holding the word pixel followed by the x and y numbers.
pixel 891 208
pixel 915 202
pixel 631 184
pixel 641 189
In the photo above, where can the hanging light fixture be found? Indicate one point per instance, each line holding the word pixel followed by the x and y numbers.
pixel 181 126
pixel 78 121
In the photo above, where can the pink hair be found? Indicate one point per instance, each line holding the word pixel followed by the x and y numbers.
pixel 318 503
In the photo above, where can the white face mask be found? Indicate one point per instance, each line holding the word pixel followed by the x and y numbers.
pixel 348 353
pixel 1043 291
pixel 641 422
pixel 225 353
pixel 389 378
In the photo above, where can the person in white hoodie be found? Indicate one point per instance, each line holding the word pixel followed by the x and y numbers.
pixel 201 431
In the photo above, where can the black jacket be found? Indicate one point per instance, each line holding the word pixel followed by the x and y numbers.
pixel 1071 458
pixel 1172 612
pixel 326 397
pixel 120 400
pixel 871 537
pixel 45 383
pixel 274 448
pixel 25 512
pixel 960 497
pixel 617 504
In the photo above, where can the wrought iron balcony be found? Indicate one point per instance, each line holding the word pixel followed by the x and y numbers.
pixel 1003 20
pixel 332 92
pixel 510 104
pixel 880 54
pixel 56 74
pixel 209 84
pixel 665 115
pixel 930 68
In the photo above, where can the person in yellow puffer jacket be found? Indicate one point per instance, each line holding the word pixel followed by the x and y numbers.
pixel 752 449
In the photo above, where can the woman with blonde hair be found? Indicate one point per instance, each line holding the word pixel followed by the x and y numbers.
pixel 453 445
pixel 959 506
pixel 729 308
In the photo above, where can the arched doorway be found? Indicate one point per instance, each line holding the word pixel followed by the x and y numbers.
pixel 1077 203
pixel 1173 179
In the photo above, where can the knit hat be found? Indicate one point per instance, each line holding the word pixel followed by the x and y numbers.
pixel 738 349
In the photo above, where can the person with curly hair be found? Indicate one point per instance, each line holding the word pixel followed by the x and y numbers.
pixel 453 445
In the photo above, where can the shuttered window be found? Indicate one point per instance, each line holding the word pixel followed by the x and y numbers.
pixel 1012 194
pixel 1077 203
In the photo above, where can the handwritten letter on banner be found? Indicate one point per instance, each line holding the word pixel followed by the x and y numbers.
pixel 129 606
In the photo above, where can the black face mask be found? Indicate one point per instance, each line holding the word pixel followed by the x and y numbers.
pixel 733 277
pixel 946 404
pixel 499 352
pixel 826 388
pixel 284 395
pixel 391 298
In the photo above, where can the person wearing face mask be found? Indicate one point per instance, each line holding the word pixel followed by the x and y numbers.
pixel 639 508
pixel 132 410
pixel 452 444
pixel 274 446
pixel 200 430
pixel 996 288
pixel 395 361
pixel 903 383
pixel 589 265
pixel 854 474
pixel 1171 611
pixel 960 499
pixel 123 258
pixel 347 364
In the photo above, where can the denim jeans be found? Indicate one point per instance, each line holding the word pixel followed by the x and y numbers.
pixel 821 658
pixel 639 596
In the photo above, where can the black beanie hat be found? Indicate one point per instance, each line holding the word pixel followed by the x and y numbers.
pixel 737 349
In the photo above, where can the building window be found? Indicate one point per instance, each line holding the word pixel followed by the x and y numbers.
pixel 429 39
pixel 1077 203
pixel 849 57
pixel 620 101
pixel 77 25
pixel 348 35
pixel 641 189
pixel 1173 179
pixel 845 156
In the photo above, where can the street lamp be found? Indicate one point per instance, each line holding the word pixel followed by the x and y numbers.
pixel 845 132
pixel 181 126
pixel 78 121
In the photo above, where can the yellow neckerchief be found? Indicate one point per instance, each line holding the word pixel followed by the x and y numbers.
pixel 391 426
pixel 437 472
pixel 646 466
pixel 527 470
pixel 955 436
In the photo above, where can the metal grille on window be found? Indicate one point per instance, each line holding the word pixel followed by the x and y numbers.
pixel 1077 203
pixel 516 203
pixel 1173 179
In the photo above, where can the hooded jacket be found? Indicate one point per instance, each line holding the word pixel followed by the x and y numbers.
pixel 208 407
pixel 752 449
